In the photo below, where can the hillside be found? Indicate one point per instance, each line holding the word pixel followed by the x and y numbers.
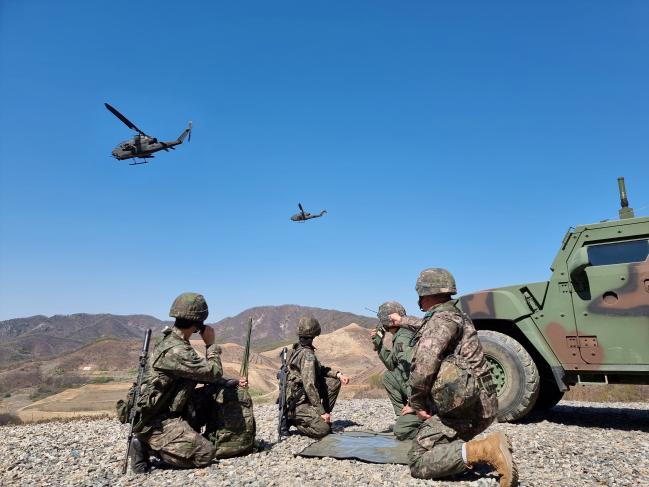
pixel 106 368
pixel 41 338
pixel 348 349
pixel 273 324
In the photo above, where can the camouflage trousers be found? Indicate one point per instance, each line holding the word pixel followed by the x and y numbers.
pixel 307 419
pixel 437 448
pixel 396 388
pixel 405 427
pixel 225 415
pixel 178 444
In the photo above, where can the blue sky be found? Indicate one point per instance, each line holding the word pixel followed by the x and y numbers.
pixel 466 135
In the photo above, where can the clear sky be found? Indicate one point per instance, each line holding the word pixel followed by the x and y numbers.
pixel 466 135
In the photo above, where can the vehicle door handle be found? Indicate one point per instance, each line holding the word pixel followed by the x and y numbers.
pixel 646 285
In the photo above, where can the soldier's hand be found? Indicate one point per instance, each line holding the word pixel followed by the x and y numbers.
pixel 326 417
pixel 407 410
pixel 395 318
pixel 377 339
pixel 243 382
pixel 208 335
pixel 344 379
pixel 423 415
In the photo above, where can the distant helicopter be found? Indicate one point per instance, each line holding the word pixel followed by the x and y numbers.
pixel 302 216
pixel 142 146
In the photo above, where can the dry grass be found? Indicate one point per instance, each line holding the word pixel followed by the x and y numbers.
pixel 375 381
pixel 89 400
pixel 608 393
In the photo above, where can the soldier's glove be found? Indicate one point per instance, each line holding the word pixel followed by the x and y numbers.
pixel 377 340
pixel 231 383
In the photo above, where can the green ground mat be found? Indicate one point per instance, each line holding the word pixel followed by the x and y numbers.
pixel 366 446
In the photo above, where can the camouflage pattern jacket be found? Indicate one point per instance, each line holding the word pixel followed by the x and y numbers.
pixel 174 370
pixel 400 355
pixel 305 371
pixel 444 331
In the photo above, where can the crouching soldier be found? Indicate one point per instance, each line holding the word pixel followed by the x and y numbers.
pixel 168 388
pixel 451 390
pixel 397 361
pixel 312 388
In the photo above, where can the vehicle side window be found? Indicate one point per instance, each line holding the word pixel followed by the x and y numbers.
pixel 619 252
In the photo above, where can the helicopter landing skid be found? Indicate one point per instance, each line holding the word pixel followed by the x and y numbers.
pixel 144 161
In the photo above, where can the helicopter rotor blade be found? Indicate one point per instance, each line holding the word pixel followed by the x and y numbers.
pixel 124 120
pixel 189 135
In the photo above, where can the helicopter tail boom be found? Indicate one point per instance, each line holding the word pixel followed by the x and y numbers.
pixel 186 132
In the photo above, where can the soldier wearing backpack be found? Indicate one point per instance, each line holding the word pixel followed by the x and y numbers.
pixel 451 389
pixel 312 387
pixel 168 394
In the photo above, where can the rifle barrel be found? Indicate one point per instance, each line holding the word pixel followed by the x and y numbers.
pixel 246 352
pixel 140 376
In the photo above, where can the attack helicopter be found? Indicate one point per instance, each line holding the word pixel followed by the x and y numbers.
pixel 303 216
pixel 142 146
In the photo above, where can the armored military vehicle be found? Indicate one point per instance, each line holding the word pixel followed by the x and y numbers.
pixel 589 324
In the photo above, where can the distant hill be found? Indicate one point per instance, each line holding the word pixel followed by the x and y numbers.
pixel 114 361
pixel 273 325
pixel 348 349
pixel 41 337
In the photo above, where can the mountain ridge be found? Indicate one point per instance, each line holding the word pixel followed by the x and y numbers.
pixel 40 337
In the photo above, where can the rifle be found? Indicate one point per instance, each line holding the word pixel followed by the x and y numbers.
pixel 282 406
pixel 136 395
pixel 243 372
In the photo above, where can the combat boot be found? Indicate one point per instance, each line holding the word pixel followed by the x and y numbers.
pixel 494 450
pixel 139 456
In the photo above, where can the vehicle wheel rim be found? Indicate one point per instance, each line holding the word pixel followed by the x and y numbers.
pixel 497 374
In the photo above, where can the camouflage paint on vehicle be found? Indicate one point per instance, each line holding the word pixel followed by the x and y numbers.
pixel 592 316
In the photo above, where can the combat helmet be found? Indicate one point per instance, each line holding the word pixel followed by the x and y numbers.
pixel 189 306
pixel 308 327
pixel 435 280
pixel 386 309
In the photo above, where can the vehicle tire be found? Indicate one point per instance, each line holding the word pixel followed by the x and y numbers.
pixel 515 373
pixel 549 395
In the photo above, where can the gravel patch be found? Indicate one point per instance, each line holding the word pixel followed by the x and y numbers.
pixel 576 444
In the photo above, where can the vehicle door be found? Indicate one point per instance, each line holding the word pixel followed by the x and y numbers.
pixel 611 301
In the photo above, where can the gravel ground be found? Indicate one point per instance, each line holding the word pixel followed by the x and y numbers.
pixel 575 444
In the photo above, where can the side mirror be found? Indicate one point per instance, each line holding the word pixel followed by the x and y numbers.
pixel 578 261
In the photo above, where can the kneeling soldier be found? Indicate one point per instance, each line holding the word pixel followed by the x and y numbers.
pixel 397 361
pixel 451 390
pixel 174 370
pixel 313 388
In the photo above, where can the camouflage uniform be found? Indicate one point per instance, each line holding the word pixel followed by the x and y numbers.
pixel 174 370
pixel 321 388
pixel 437 447
pixel 397 361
